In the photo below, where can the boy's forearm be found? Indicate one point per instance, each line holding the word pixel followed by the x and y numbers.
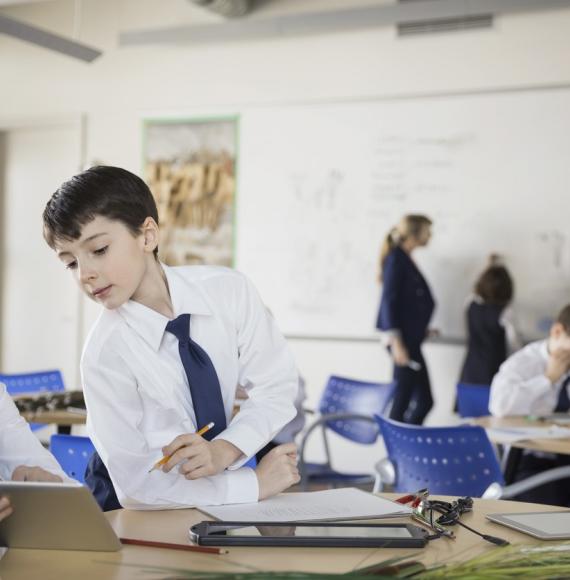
pixel 226 453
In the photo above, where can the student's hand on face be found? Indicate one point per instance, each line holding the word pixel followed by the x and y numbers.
pixel 558 364
pixel 5 508
pixel 27 473
pixel 278 470
pixel 198 457
pixel 400 353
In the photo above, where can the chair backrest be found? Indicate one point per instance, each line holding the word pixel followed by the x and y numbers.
pixel 473 400
pixel 342 395
pixel 33 382
pixel 72 453
pixel 447 460
pixel 19 383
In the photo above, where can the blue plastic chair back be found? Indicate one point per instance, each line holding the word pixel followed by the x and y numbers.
pixel 473 400
pixel 446 460
pixel 72 453
pixel 17 384
pixel 342 395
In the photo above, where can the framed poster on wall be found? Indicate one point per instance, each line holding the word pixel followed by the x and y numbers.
pixel 190 167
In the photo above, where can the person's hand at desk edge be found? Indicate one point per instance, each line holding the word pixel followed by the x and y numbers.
pixel 26 473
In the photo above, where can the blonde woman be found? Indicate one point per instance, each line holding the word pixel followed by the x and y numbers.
pixel 405 310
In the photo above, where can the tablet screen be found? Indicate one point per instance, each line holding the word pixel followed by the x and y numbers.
pixel 544 525
pixel 314 531
pixel 547 523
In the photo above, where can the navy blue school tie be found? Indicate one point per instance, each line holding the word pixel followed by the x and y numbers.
pixel 202 378
pixel 563 405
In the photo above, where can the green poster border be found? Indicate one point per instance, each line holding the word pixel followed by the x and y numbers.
pixel 236 118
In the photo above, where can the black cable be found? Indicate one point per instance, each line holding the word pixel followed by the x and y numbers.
pixel 451 512
pixel 493 539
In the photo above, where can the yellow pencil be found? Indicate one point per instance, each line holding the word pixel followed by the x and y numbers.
pixel 162 461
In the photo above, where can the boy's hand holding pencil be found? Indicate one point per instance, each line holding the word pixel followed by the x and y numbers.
pixel 197 457
pixel 167 457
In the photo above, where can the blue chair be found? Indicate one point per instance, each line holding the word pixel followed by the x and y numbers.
pixel 72 453
pixel 347 407
pixel 473 400
pixel 447 460
pixel 20 383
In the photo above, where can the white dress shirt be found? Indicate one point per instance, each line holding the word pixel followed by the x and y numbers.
pixel 521 387
pixel 137 392
pixel 18 445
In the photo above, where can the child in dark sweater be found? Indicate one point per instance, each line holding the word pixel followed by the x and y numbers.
pixel 491 334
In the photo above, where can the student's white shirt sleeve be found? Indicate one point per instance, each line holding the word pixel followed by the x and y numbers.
pixel 18 445
pixel 268 373
pixel 521 387
pixel 508 322
pixel 114 405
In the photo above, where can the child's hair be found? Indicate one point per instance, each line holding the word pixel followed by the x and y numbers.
pixel 106 191
pixel 563 318
pixel 495 285
pixel 410 226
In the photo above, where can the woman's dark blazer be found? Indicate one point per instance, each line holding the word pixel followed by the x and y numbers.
pixel 407 304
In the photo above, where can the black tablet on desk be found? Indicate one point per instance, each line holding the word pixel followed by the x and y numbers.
pixel 315 534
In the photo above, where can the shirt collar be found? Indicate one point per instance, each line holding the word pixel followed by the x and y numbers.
pixel 150 325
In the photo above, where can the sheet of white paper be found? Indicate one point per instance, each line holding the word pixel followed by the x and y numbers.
pixel 331 504
pixel 513 434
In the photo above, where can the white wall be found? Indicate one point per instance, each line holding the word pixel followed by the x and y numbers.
pixel 127 84
pixel 39 314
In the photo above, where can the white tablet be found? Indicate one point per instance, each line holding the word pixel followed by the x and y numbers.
pixel 55 516
pixel 542 525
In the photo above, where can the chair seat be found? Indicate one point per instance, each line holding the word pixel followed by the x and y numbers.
pixel 321 472
pixel 347 407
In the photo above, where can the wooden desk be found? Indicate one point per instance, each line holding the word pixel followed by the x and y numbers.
pixel 546 445
pixel 66 418
pixel 63 419
pixel 135 562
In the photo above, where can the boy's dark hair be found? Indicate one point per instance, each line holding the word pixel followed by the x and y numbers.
pixel 564 319
pixel 111 192
pixel 495 286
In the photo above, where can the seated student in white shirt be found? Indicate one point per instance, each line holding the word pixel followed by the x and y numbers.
pixel 536 380
pixel 103 224
pixel 22 456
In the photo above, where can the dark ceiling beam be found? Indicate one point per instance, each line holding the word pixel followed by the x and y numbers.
pixel 46 39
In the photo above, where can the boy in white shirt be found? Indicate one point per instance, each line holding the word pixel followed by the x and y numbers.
pixel 536 380
pixel 166 354
pixel 22 457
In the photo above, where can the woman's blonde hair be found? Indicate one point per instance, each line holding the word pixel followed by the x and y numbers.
pixel 410 226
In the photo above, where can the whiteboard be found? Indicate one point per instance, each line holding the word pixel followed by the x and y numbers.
pixel 320 185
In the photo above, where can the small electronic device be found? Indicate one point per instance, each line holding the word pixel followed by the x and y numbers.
pixel 54 516
pixel 322 534
pixel 542 525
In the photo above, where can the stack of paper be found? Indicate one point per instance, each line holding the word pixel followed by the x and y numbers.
pixel 512 434
pixel 329 505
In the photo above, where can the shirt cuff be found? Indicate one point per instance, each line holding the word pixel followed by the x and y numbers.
pixel 541 385
pixel 242 487
pixel 392 332
pixel 246 439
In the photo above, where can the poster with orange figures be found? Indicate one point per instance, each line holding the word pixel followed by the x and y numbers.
pixel 190 167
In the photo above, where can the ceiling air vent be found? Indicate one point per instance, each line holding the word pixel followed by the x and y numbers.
pixel 449 24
